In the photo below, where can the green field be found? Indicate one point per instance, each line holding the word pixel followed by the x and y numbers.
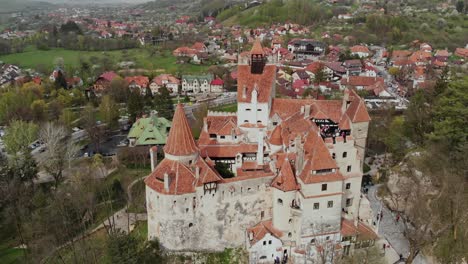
pixel 11 255
pixel 164 62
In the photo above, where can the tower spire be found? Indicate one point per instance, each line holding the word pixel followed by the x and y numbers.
pixel 180 141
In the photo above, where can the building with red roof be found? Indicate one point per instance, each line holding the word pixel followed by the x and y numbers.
pixel 271 177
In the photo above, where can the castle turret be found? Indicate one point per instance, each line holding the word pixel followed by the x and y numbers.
pixel 180 145
pixel 257 58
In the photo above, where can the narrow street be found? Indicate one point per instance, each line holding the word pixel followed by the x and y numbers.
pixel 388 227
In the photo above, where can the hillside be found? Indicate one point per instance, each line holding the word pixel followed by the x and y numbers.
pixel 298 11
pixel 8 6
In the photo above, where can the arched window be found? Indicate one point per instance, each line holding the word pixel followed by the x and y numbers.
pixel 280 201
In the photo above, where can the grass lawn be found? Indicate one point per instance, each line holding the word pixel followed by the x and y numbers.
pixel 226 108
pixel 164 62
pixel 11 255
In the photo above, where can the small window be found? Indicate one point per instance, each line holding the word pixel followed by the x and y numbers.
pixel 280 202
pixel 348 186
pixel 324 187
pixel 348 169
pixel 275 123
pixel 330 204
pixel 345 154
pixel 312 241
pixel 259 121
pixel 247 109
pixel 290 220
pixel 190 225
pixel 246 121
pixel 264 243
pixel 316 206
pixel 327 238
pixel 190 162
pixel 222 137
pixel 349 202
pixel 333 155
pixel 289 234
pixel 269 242
pixel 262 214
pixel 259 110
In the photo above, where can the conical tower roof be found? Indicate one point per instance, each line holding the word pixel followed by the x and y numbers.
pixel 180 141
pixel 275 138
pixel 285 181
pixel 257 48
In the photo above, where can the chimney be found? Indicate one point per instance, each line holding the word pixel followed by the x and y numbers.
pixel 299 161
pixel 244 91
pixel 197 172
pixel 306 111
pixel 302 109
pixel 154 157
pixel 166 182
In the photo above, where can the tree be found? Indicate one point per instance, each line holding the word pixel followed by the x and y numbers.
pixel 418 117
pixel 460 6
pixel 122 248
pixel 109 112
pixel 94 131
pixel 18 136
pixel 451 114
pixel 163 103
pixel 135 105
pixel 67 118
pixel 60 81
pixel 118 90
pixel 59 149
pixel 320 75
pixel 39 110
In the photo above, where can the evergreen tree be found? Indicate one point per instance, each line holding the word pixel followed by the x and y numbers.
pixel 135 105
pixel 60 81
pixel 163 103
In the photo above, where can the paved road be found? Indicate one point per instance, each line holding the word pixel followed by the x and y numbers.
pixel 389 228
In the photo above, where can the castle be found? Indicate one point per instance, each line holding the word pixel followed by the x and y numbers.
pixel 296 174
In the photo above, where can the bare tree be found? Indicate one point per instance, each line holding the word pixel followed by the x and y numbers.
pixel 59 150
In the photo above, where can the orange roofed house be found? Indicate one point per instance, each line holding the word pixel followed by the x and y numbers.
pixel 275 177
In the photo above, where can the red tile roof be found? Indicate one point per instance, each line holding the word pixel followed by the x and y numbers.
pixel 357 110
pixel 257 48
pixel 359 48
pixel 362 231
pixel 180 141
pixel 361 80
pixel 275 138
pixel 108 76
pixel 226 150
pixel 247 82
pixel 168 78
pixel 141 81
pixel 217 81
pixel 286 180
pixel 259 231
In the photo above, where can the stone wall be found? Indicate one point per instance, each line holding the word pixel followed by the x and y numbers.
pixel 213 221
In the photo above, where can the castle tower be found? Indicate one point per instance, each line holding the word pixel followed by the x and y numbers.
pixel 180 145
pixel 257 58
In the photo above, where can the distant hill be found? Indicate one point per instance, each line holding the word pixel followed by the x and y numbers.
pixel 8 6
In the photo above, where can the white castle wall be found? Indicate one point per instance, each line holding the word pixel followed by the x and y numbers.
pixel 217 221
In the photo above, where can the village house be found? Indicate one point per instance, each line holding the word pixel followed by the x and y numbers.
pixel 137 83
pixel 149 131
pixel 353 67
pixel 360 51
pixel 197 83
pixel 103 82
pixel 292 177
pixel 306 48
pixel 167 80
